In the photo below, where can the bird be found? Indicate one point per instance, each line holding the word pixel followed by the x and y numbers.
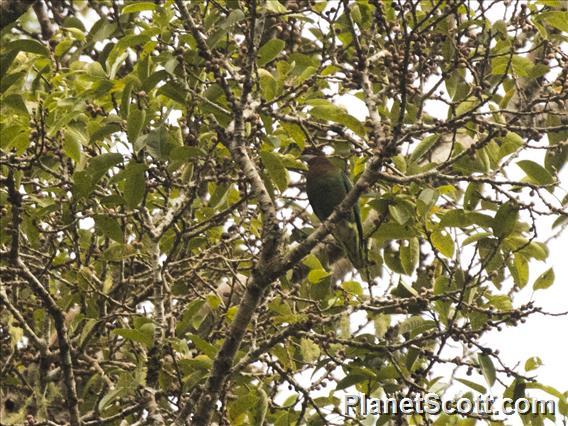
pixel 326 187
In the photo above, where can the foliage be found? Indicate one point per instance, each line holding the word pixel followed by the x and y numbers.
pixel 157 253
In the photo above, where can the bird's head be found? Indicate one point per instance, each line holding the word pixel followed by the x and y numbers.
pixel 311 153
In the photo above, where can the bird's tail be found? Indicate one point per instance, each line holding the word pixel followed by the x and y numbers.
pixel 355 246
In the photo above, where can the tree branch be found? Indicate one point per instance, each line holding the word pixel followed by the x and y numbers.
pixel 63 340
pixel 38 341
pixel 45 24
pixel 268 270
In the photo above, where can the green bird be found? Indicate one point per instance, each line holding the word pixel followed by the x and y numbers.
pixel 327 186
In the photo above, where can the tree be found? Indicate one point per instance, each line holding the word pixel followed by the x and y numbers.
pixel 159 261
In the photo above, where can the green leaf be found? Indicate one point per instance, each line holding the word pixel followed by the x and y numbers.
pixel 99 165
pixel 82 184
pixel 268 85
pixel 545 280
pixel 96 71
pixel 533 363
pixel 213 301
pixel 325 110
pixel 511 143
pixel 443 242
pixel 416 325
pixel 521 65
pixel 487 368
pixel 135 185
pixel 536 172
pixel 310 351
pixel 352 287
pixel 144 335
pixel 158 143
pixel 316 275
pixel 235 16
pixel 136 118
pixel 5 62
pixel 306 74
pixel 537 71
pixel 423 147
pixel 392 260
pixel 10 79
pixel 472 195
pixel 548 389
pixel 475 386
pixel 499 65
pixel 409 254
pixel 475 237
pixel 557 18
pixel 275 168
pixel 138 7
pixel 173 91
pixel 190 311
pixel 105 131
pixel 466 106
pixel 394 231
pixel 218 195
pixel 516 389
pixel 89 324
pixel 350 380
pixel 501 302
pixel 204 346
pixel 312 262
pixel 101 30
pixel 28 45
pixel 73 143
pixel 154 79
pixel 110 396
pixel 275 6
pixel 295 132
pixel 241 405
pixel 441 285
pixel 501 27
pixel 401 212
pixel 15 102
pixel 535 249
pixel 184 153
pixel 269 51
pixel 426 200
pixel 109 227
pixel 455 218
pixel 505 220
pixel 200 362
pixel 521 268
pixel 84 181
pixel 259 409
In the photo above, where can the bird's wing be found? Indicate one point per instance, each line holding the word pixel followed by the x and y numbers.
pixel 356 217
pixel 356 213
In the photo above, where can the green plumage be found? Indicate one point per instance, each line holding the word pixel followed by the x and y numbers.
pixel 327 186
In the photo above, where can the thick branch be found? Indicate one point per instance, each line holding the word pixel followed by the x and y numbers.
pixel 45 24
pixel 260 280
pixel 256 287
pixel 271 235
pixel 63 340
